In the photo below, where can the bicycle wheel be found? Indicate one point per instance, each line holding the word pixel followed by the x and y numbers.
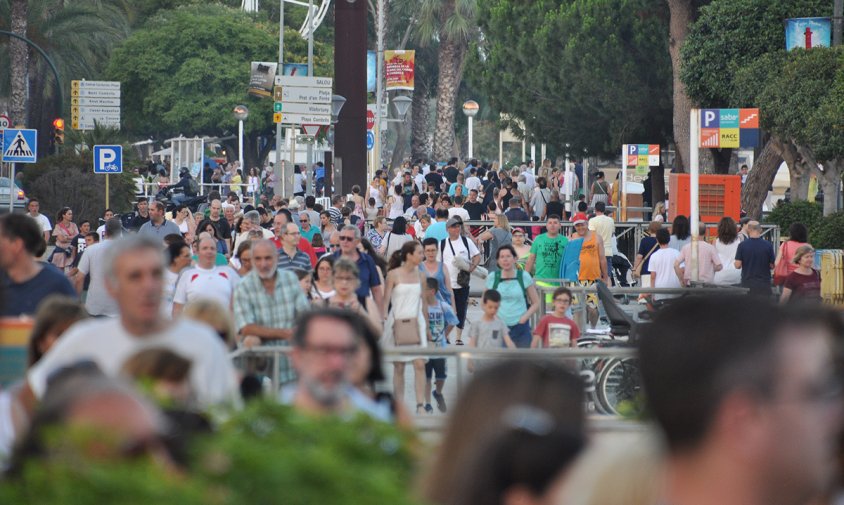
pixel 618 383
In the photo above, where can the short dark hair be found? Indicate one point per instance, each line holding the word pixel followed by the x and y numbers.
pixel 562 291
pixel 600 207
pixel 690 362
pixel 303 323
pixel 491 295
pixel 430 241
pixel 432 283
pixel 22 226
pixel 173 251
pixel 309 201
pixel 662 236
pixel 797 232
pixel 442 213
pixel 553 216
pixel 94 235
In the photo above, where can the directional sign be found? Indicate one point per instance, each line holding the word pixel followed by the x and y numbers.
pixel 20 146
pixel 303 95
pixel 95 111
pixel 304 118
pixel 94 102
pixel 90 125
pixel 304 82
pixel 99 93
pixel 277 117
pixel 370 140
pixel 305 108
pixel 95 84
pixel 5 122
pixel 103 89
pixel 108 159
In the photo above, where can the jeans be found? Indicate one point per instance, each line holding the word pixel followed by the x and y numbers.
pixel 520 335
pixel 178 198
pixel 461 305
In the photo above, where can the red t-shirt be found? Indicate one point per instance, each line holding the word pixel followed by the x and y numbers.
pixel 804 286
pixel 545 329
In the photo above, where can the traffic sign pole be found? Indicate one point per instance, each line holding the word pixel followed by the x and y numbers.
pixel 106 202
pixel 12 189
pixel 694 186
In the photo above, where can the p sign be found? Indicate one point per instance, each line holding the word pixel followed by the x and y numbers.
pixel 108 159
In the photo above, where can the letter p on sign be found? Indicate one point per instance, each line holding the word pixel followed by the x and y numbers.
pixel 710 118
pixel 108 159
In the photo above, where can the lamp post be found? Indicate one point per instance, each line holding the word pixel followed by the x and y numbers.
pixel 470 108
pixel 241 112
pixel 337 103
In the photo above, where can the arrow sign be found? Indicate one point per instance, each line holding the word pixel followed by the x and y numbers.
pixel 303 95
pixel 95 102
pixel 304 118
pixel 305 108
pixel 305 82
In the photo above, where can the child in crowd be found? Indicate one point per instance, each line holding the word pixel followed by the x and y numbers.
pixel 489 332
pixel 555 329
pixel 441 320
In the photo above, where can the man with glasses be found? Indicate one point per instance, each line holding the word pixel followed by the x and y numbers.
pixel 280 222
pixel 747 395
pixel 290 257
pixel 305 228
pixel 325 344
pixel 370 282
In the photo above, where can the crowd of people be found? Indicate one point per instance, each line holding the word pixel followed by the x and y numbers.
pixel 346 288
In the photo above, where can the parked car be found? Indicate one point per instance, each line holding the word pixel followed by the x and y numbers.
pixel 19 198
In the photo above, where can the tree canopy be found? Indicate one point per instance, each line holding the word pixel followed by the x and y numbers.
pixel 590 73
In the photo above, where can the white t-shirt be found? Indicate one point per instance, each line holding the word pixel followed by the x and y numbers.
pixel 43 222
pixel 298 183
pixel 107 343
pixel 459 211
pixel 101 232
pixel 473 182
pixel 99 302
pixel 216 284
pixel 419 180
pixel 456 248
pixel 661 266
pixel 170 280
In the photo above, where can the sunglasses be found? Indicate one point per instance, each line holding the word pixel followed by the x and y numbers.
pixel 346 239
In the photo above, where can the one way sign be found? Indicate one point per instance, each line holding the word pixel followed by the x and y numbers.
pixel 20 146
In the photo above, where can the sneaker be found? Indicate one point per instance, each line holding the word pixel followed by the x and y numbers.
pixel 429 409
pixel 440 402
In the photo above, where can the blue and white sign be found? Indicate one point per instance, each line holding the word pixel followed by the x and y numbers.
pixel 20 146
pixel 806 33
pixel 108 159
pixel 370 140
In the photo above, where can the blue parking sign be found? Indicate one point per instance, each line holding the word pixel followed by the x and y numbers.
pixel 108 159
pixel 20 146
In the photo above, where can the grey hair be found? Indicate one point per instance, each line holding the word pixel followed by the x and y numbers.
pixel 351 227
pixel 263 242
pixel 129 244
pixel 253 216
pixel 113 228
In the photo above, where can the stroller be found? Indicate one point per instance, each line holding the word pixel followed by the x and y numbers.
pixel 622 271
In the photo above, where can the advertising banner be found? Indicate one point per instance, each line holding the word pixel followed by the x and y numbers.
pixel 371 71
pixel 806 33
pixel 399 69
pixel 295 69
pixel 262 78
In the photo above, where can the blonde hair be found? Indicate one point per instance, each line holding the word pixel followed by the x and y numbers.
pixel 801 251
pixel 635 470
pixel 214 315
pixel 503 222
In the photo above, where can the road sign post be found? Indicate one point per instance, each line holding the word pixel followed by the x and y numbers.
pixel 94 102
pixel 108 159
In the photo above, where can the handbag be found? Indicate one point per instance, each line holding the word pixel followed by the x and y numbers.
pixel 781 268
pixel 637 272
pixel 406 332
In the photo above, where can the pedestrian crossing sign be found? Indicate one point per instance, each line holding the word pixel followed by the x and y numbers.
pixel 20 146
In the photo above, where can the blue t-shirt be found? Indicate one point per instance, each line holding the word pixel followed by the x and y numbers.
pixel 513 298
pixel 756 256
pixel 23 299
pixel 440 315
pixel 437 230
pixel 320 172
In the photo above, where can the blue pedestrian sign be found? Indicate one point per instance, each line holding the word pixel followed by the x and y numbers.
pixel 108 159
pixel 370 140
pixel 20 146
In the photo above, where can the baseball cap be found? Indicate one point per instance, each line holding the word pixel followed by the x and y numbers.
pixel 580 217
pixel 453 221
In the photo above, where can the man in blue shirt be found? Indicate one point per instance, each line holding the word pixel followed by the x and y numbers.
pixel 370 282
pixel 319 176
pixel 26 282
pixel 755 258
pixel 438 230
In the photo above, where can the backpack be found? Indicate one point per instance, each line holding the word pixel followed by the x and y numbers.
pixel 193 187
pixel 519 278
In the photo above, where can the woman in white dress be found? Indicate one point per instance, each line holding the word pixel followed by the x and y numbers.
pixel 396 203
pixel 726 245
pixel 405 296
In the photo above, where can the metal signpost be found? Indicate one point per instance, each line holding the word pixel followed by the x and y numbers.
pixel 18 146
pixel 108 159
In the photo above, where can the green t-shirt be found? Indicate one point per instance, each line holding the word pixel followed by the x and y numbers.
pixel 549 254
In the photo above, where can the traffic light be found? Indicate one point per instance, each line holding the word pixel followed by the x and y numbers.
pixel 58 131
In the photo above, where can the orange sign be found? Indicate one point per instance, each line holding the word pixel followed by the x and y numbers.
pixel 399 69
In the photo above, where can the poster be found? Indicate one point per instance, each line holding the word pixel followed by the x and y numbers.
pixel 399 69
pixel 262 78
pixel 300 69
pixel 806 33
pixel 371 71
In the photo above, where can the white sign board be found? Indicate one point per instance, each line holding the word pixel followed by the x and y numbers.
pixel 95 102
pixel 305 95
pixel 305 119
pixel 305 108
pixel 304 82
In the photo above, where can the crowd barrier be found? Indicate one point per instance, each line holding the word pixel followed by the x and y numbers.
pixel 830 262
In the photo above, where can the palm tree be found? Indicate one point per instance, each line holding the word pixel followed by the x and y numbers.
pixel 78 36
pixel 18 59
pixel 451 23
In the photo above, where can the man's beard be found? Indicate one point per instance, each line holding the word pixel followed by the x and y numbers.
pixel 327 397
pixel 266 275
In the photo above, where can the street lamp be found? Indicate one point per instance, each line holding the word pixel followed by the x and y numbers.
pixel 337 103
pixel 241 112
pixel 402 103
pixel 470 108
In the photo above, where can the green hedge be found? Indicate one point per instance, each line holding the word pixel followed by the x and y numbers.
pixel 824 232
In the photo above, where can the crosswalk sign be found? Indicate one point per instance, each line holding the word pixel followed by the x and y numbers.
pixel 20 146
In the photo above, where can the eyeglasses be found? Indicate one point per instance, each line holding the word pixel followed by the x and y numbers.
pixel 327 350
pixel 293 233
pixel 563 300
pixel 345 238
pixel 344 279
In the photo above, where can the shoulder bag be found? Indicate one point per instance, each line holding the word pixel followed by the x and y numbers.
pixel 406 332
pixel 781 268
pixel 637 272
